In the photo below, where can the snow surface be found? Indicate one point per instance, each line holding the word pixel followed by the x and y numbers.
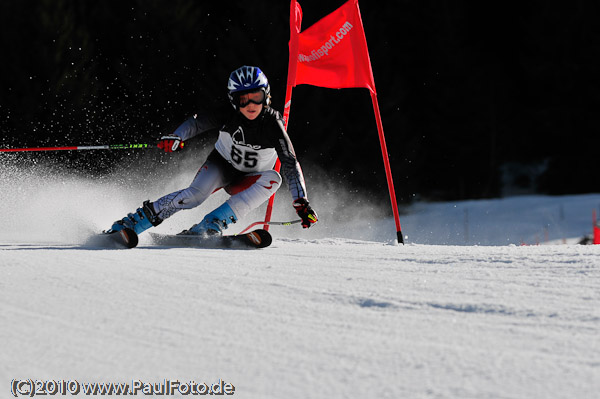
pixel 338 311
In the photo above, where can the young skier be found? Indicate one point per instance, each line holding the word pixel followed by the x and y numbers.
pixel 250 140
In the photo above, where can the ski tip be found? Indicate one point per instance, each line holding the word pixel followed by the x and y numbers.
pixel 260 238
pixel 129 237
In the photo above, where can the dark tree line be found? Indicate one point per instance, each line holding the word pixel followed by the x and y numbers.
pixel 465 88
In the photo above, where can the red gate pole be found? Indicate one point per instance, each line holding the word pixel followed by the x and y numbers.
pixel 388 169
pixel 295 23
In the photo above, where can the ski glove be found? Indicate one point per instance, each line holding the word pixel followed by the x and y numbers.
pixel 170 143
pixel 306 213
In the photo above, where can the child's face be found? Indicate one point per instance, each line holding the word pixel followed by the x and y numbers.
pixel 251 111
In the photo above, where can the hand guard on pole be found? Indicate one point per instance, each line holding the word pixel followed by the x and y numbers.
pixel 170 143
pixel 306 213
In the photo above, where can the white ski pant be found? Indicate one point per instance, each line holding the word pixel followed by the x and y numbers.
pixel 248 190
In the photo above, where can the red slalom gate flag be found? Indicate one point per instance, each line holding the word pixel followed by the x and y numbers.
pixel 333 52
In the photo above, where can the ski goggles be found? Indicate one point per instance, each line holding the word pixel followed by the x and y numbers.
pixel 255 97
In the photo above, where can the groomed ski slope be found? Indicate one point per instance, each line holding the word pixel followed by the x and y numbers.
pixel 332 318
pixel 334 312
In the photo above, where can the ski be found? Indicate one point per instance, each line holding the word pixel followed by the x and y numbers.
pixel 254 239
pixel 125 238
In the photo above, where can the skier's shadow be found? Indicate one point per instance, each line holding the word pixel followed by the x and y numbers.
pixel 90 244
pixel 39 247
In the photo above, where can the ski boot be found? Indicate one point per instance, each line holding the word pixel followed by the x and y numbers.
pixel 141 220
pixel 214 223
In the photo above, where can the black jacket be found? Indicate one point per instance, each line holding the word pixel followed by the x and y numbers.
pixel 248 145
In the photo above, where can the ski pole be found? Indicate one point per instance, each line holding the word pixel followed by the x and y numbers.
pixel 80 147
pixel 270 224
